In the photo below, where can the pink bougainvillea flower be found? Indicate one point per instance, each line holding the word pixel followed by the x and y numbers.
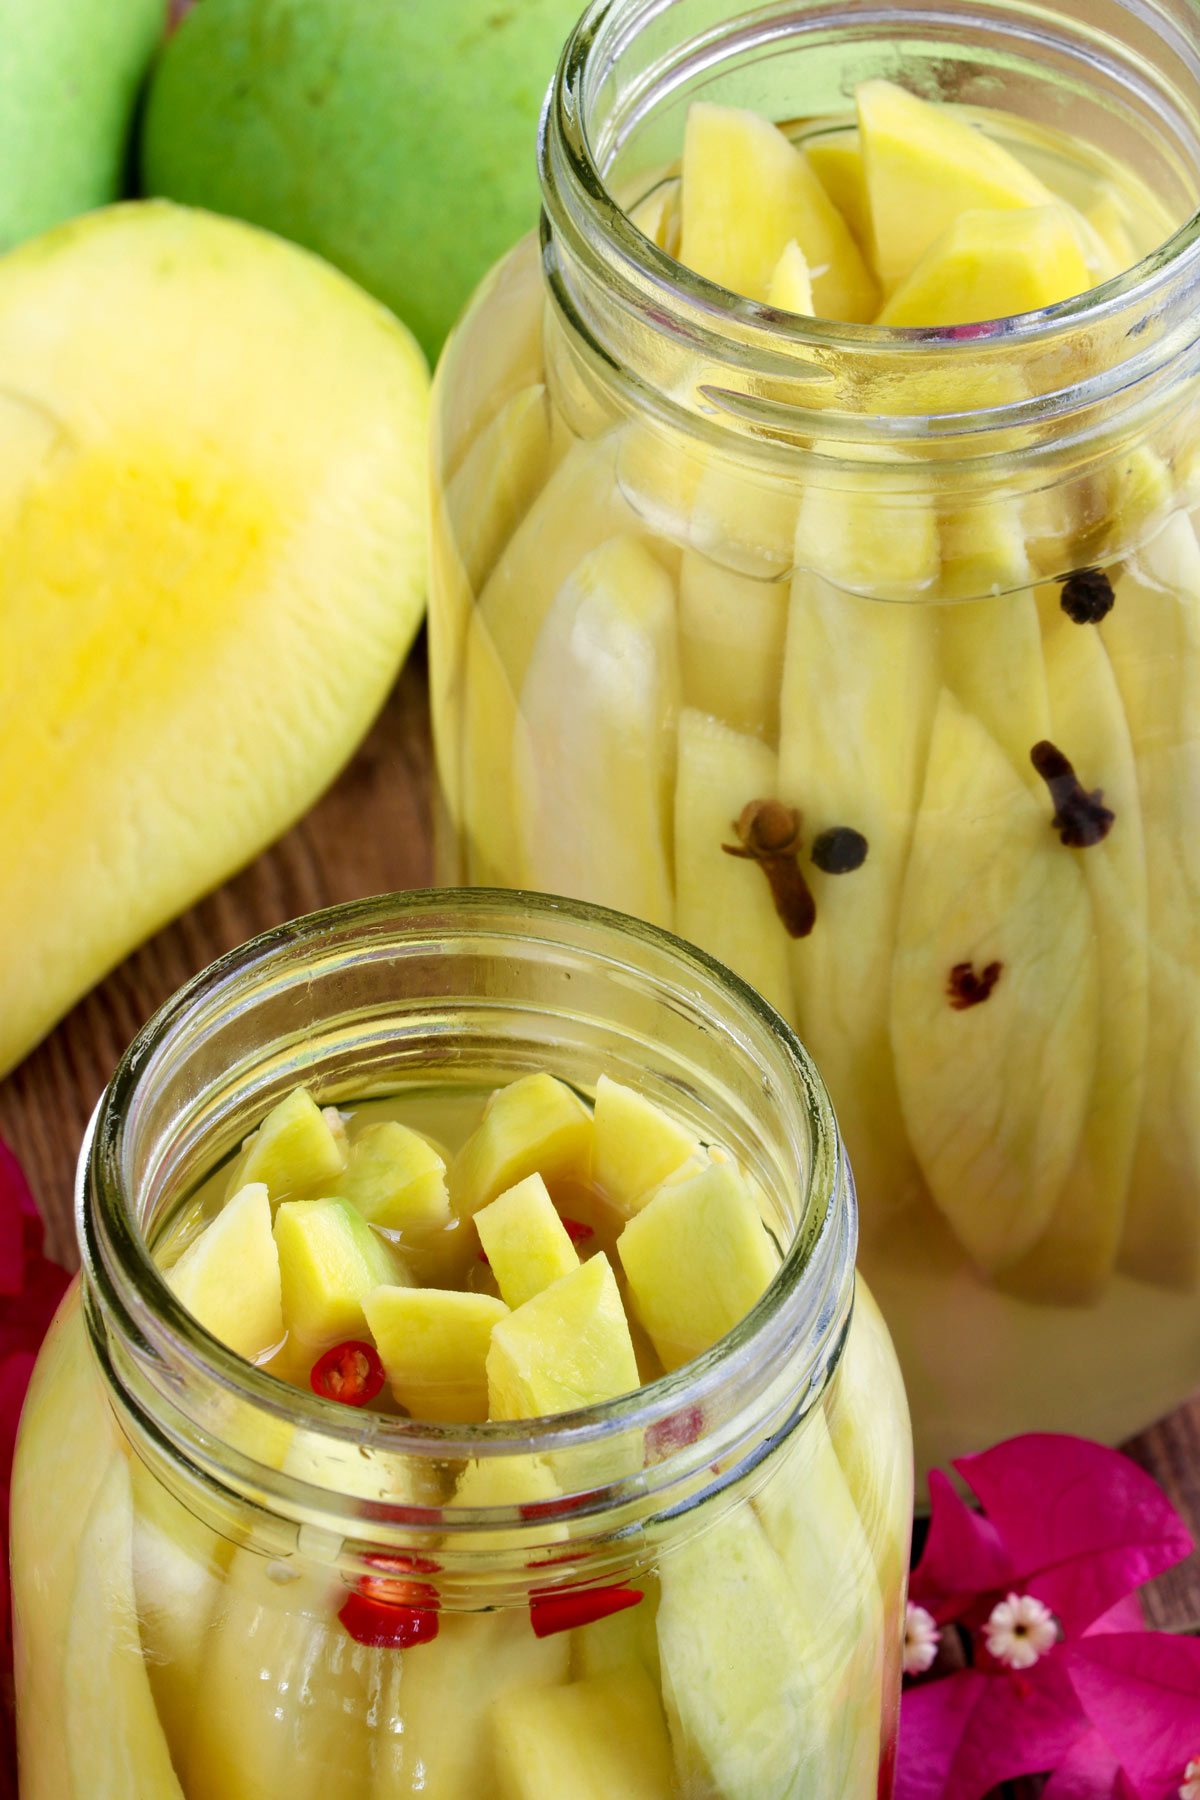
pixel 1063 1677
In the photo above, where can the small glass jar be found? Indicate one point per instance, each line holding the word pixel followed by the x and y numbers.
pixel 187 1530
pixel 937 592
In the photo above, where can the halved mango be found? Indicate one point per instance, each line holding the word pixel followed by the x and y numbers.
pixel 214 554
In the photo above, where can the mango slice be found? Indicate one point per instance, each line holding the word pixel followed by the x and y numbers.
pixel 533 1126
pixel 991 263
pixel 731 636
pixel 115 1743
pixel 924 166
pixel 434 1344
pixel 637 1145
pixel 229 1277
pixel 747 193
pixel 330 1259
pixel 790 287
pixel 296 1147
pixel 525 1241
pixel 836 160
pixel 566 1348
pixel 216 549
pixel 592 1739
pixel 723 903
pixel 396 1179
pixel 697 1257
pixel 994 995
pixel 594 769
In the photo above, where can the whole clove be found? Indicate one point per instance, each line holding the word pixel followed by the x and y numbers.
pixel 768 833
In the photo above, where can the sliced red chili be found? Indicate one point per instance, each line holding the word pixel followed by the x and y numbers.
pixel 577 1231
pixel 675 1432
pixel 550 1613
pixel 350 1372
pixel 388 1610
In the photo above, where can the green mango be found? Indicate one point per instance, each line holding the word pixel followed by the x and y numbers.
pixel 70 75
pixel 395 140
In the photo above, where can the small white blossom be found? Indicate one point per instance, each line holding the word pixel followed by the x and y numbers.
pixel 1019 1631
pixel 1191 1781
pixel 921 1640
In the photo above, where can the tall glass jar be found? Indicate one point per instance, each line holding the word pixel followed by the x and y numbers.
pixel 187 1530
pixel 935 591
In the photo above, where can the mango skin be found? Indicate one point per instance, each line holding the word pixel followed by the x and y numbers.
pixel 394 137
pixel 212 527
pixel 70 75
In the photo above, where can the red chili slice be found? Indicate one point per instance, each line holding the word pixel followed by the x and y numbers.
pixel 350 1372
pixel 549 1613
pixel 577 1231
pixel 675 1432
pixel 390 1611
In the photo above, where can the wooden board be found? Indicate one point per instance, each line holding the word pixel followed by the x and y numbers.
pixel 371 834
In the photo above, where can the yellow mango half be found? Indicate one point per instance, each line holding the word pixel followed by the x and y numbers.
pixel 990 264
pixel 212 535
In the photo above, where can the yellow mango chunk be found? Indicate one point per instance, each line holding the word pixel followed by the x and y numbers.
pixel 295 1147
pixel 991 264
pixel 592 1740
pixel 525 1241
pixel 229 1277
pixel 567 1347
pixel 433 1342
pixel 396 1179
pixel 534 1126
pixel 924 166
pixel 509 1481
pixel 637 1145
pixel 213 543
pixel 791 288
pixel 696 1258
pixel 837 163
pixel 747 193
pixel 329 1260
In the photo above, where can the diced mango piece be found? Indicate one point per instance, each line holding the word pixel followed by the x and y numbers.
pixel 512 1481
pixel 525 1241
pixel 229 1277
pixel 837 163
pixel 637 1145
pixel 294 1148
pixel 329 1260
pixel 990 264
pixel 434 1344
pixel 591 1740
pixel 747 192
pixel 567 1347
pixel 534 1126
pixel 791 288
pixel 396 1179
pixel 697 1257
pixel 623 1640
pixel 924 166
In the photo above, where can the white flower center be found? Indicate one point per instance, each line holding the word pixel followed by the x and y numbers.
pixel 921 1640
pixel 1019 1631
pixel 1191 1781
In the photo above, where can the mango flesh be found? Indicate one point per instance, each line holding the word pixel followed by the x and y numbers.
pixel 989 264
pixel 434 1346
pixel 212 528
pixel 534 1126
pixel 567 1347
pixel 229 1278
pixel 329 1261
pixel 592 1739
pixel 396 1179
pixel 525 1241
pixel 295 1147
pixel 638 1144
pixel 71 76
pixel 396 141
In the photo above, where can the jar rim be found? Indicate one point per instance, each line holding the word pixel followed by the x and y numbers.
pixel 122 1277
pixel 580 211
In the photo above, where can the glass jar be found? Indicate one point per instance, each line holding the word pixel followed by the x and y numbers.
pixel 691 554
pixel 187 1530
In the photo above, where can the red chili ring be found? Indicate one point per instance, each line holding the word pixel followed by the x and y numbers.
pixel 568 1610
pixel 577 1231
pixel 351 1373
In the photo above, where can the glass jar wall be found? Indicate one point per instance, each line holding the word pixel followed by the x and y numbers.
pixel 187 1530
pixel 939 587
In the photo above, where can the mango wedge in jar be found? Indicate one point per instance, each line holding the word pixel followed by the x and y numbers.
pixel 869 674
pixel 591 1241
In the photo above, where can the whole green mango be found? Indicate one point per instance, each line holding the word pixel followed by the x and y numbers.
pixel 395 137
pixel 70 73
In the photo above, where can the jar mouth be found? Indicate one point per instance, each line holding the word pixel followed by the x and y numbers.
pixel 1141 319
pixel 151 1339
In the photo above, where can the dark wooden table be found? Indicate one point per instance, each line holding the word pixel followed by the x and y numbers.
pixel 371 834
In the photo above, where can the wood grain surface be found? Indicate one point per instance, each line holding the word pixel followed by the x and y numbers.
pixel 371 834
